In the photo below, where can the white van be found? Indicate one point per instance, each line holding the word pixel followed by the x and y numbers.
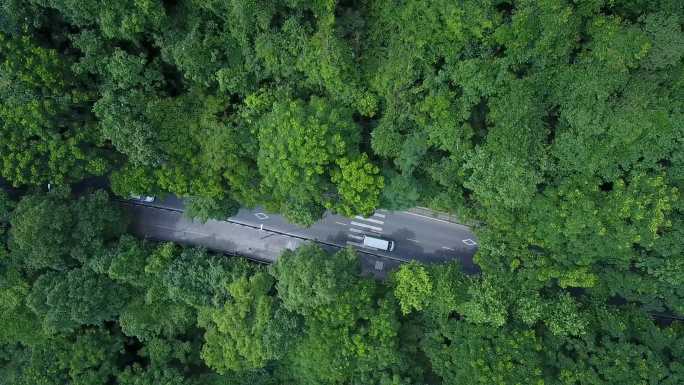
pixel 377 243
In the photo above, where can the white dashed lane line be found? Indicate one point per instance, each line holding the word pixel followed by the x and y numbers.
pixel 340 223
pixel 413 240
pixel 371 220
pixel 379 215
pixel 447 248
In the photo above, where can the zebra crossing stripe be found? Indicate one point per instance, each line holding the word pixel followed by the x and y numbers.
pixel 374 228
pixel 371 220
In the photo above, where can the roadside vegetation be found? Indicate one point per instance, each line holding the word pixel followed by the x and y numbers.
pixel 557 126
pixel 85 303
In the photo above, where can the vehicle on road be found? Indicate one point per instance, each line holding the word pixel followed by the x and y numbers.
pixel 143 198
pixel 378 243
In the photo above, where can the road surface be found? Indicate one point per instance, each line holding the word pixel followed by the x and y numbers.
pixel 416 237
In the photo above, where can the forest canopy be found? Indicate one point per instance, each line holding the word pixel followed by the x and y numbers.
pixel 555 127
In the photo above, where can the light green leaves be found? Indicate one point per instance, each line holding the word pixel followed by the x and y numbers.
pixel 234 337
pixel 413 288
pixel 304 151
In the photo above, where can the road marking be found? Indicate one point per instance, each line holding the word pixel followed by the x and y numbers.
pixel 165 227
pixel 378 229
pixel 195 233
pixel 434 219
pixel 379 265
pixel 261 216
pixel 469 242
pixel 340 223
pixel 379 215
pixel 353 230
pixel 371 220
pixel 352 236
pixel 355 244
pixel 447 248
pixel 175 230
pixel 413 240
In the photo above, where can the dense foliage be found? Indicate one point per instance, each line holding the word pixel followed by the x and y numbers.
pixel 555 126
pixel 118 309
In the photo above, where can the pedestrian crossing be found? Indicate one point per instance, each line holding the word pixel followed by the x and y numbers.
pixel 360 226
pixel 367 226
pixel 371 220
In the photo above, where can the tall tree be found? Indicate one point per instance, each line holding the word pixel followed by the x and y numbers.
pixel 53 231
pixel 309 277
pixel 306 140
pixel 235 332
pixel 47 129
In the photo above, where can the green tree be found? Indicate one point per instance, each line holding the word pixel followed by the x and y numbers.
pixel 6 207
pixel 130 85
pixel 358 185
pixel 136 375
pixel 18 323
pixel 122 20
pixel 351 340
pixel 413 287
pixel 90 357
pixel 305 140
pixel 622 345
pixel 47 130
pixel 66 301
pixel 51 230
pixel 494 355
pixel 203 209
pixel 486 303
pixel 234 337
pixel 150 312
pixel 310 277
pixel 196 277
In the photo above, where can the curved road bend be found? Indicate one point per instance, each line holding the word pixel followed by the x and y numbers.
pixel 263 236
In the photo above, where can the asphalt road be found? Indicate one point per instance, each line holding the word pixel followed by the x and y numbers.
pixel 416 237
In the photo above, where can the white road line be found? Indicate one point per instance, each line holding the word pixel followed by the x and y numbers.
pixel 447 248
pixel 413 240
pixel 354 244
pixel 353 230
pixel 352 236
pixel 176 230
pixel 379 215
pixel 371 220
pixel 426 217
pixel 357 224
pixel 340 223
